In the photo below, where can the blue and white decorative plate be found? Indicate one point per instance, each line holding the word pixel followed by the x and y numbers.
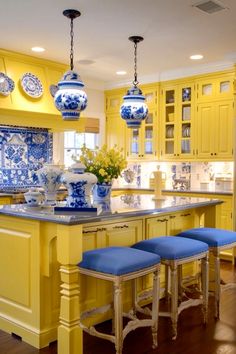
pixel 7 85
pixel 32 85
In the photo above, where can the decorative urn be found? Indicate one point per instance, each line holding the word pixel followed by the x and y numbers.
pixel 79 185
pixel 49 177
pixel 134 108
pixel 70 99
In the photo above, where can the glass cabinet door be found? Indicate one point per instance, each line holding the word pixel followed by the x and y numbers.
pixel 169 121
pixel 186 120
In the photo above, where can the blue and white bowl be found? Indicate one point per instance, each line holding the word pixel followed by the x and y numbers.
pixel 70 99
pixel 33 197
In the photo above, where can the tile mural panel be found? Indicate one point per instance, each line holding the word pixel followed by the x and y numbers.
pixel 22 152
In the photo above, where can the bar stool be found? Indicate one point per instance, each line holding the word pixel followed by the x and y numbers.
pixel 174 252
pixel 119 264
pixel 217 241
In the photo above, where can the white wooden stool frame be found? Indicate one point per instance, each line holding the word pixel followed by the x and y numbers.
pixel 119 332
pixel 215 251
pixel 175 310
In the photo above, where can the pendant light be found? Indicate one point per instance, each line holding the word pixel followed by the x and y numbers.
pixel 70 99
pixel 134 108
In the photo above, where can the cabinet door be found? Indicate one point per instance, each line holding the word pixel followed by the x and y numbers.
pixel 114 100
pixel 180 222
pixel 177 121
pixel 116 131
pixel 169 122
pixel 215 88
pixel 186 128
pixel 224 129
pixel 205 135
pixel 142 142
pixel 157 227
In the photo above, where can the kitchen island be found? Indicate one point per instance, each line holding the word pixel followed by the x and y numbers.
pixel 40 251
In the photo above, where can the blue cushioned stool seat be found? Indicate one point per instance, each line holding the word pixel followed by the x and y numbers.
pixel 118 260
pixel 213 237
pixel 169 247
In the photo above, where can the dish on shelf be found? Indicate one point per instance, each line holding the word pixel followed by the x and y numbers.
pixel 31 85
pixel 170 132
pixel 7 85
pixel 53 89
pixel 186 132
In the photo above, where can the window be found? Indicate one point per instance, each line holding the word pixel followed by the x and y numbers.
pixel 73 143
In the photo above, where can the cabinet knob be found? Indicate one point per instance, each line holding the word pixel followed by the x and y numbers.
pixel 212 154
pixel 215 153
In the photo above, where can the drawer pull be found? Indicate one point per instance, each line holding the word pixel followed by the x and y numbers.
pixel 94 231
pixel 162 220
pixel 172 216
pixel 185 214
pixel 120 227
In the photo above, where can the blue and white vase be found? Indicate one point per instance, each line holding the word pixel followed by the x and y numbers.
pixel 49 177
pixel 102 192
pixel 79 185
pixel 70 99
pixel 134 108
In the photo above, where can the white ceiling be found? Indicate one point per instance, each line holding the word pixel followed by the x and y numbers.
pixel 172 31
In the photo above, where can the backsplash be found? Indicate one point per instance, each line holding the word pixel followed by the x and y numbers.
pixel 180 175
pixel 22 152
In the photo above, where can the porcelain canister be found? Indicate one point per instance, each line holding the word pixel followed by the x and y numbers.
pixel 33 197
pixel 79 185
pixel 50 179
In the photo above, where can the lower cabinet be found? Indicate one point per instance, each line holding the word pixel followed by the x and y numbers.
pixel 5 200
pixel 226 216
pixel 171 225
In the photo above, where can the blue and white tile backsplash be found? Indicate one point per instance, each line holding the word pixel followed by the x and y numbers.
pixel 22 152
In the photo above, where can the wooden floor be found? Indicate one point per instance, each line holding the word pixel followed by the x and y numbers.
pixel 218 337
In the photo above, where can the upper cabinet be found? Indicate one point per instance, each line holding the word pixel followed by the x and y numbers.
pixel 177 121
pixel 142 142
pixel 214 87
pixel 189 119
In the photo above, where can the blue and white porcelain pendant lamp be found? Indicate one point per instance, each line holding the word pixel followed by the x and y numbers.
pixel 134 108
pixel 70 99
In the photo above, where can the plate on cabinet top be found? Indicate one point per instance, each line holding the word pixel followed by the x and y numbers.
pixel 31 85
pixel 7 85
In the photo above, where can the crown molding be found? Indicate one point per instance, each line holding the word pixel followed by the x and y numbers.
pixel 175 74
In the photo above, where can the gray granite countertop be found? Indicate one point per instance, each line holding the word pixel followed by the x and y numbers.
pixel 119 207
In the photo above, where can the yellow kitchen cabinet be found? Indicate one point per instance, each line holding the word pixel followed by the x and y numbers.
pixel 151 93
pixel 177 121
pixel 5 200
pixel 225 220
pixel 215 87
pixel 116 131
pixel 113 100
pixel 215 130
pixel 142 142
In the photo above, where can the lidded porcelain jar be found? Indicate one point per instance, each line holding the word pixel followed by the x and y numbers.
pixel 70 99
pixel 33 197
pixel 134 108
pixel 49 177
pixel 79 185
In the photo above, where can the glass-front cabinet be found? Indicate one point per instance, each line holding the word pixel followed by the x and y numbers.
pixel 142 142
pixel 177 121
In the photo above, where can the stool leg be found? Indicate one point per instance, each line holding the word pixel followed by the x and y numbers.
pixel 155 307
pixel 174 299
pixel 205 286
pixel 180 277
pixel 166 282
pixel 134 296
pixel 118 317
pixel 217 285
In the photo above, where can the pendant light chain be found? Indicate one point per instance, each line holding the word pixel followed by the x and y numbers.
pixel 71 45
pixel 135 82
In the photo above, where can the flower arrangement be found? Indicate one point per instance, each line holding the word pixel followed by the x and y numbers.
pixel 105 163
